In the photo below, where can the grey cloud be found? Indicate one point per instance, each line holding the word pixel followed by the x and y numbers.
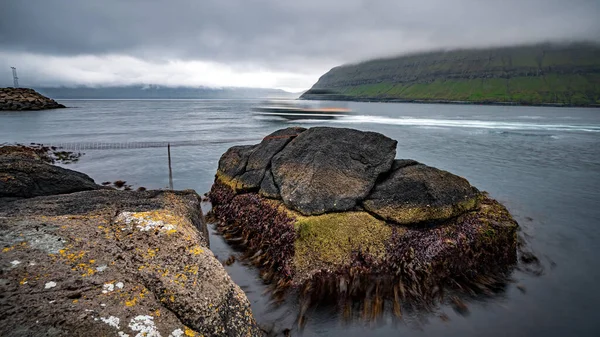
pixel 295 36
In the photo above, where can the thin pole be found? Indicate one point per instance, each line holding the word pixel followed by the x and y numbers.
pixel 170 171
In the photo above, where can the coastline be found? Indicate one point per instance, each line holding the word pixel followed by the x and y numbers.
pixel 441 101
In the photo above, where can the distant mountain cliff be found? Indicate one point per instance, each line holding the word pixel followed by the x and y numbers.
pixel 567 74
pixel 160 92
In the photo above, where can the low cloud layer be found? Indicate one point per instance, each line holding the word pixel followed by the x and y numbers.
pixel 261 43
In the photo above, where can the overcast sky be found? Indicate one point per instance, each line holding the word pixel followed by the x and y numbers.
pixel 257 43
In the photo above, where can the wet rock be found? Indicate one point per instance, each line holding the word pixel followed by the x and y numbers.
pixel 331 169
pixel 25 99
pixel 414 193
pixel 30 178
pixel 245 167
pixel 268 188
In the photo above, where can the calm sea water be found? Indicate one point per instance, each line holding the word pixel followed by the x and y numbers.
pixel 543 163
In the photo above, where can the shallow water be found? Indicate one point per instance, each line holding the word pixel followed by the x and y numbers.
pixel 542 163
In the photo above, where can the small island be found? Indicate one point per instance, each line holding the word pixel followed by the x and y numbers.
pixel 20 99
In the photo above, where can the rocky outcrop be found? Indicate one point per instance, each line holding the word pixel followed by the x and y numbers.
pixel 110 262
pixel 25 99
pixel 414 193
pixel 337 217
pixel 331 169
pixel 27 172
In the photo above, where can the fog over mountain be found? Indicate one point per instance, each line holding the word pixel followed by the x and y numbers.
pixel 266 44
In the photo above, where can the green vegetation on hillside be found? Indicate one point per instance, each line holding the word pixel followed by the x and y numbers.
pixel 539 74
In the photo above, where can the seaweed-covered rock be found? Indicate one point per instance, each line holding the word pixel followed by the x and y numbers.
pixel 338 218
pixel 331 169
pixel 114 262
pixel 414 193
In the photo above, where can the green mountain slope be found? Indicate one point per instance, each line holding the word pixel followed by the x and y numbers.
pixel 536 74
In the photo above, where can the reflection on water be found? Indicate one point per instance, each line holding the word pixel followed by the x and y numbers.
pixel 543 163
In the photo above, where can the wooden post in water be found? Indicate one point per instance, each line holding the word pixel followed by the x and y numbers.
pixel 170 171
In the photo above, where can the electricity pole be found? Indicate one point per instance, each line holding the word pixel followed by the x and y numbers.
pixel 15 78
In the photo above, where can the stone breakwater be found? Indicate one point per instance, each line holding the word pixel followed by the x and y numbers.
pixel 20 99
pixel 78 259
pixel 330 212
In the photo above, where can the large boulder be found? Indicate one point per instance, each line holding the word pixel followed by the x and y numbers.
pixel 111 262
pixel 414 193
pixel 331 169
pixel 337 217
pixel 26 174
pixel 244 167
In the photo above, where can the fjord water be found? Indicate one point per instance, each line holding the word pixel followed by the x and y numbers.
pixel 543 163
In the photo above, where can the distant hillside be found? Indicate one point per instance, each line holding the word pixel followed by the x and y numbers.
pixel 159 92
pixel 537 74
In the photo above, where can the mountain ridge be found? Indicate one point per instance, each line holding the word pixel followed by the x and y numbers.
pixel 159 92
pixel 556 74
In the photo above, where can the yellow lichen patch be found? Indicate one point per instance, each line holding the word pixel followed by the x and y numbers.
pixel 89 272
pixel 23 281
pixel 191 269
pixel 134 300
pixel 196 250
pixel 328 240
pixel 189 332
pixel 161 220
pixel 152 252
pixel 157 313
pixel 21 244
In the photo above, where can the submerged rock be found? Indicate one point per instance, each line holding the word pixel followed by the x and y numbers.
pixel 337 217
pixel 115 263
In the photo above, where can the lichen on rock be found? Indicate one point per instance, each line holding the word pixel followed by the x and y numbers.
pixel 115 263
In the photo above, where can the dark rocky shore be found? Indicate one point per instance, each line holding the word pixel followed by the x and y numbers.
pixel 25 99
pixel 79 259
pixel 331 213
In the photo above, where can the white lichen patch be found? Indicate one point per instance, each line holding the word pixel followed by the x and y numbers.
pixel 49 285
pixel 101 268
pixel 144 325
pixel 15 263
pixel 176 333
pixel 107 288
pixel 149 221
pixel 122 334
pixel 119 285
pixel 111 320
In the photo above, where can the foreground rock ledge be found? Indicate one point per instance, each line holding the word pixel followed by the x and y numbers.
pixel 329 211
pixel 25 99
pixel 113 263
